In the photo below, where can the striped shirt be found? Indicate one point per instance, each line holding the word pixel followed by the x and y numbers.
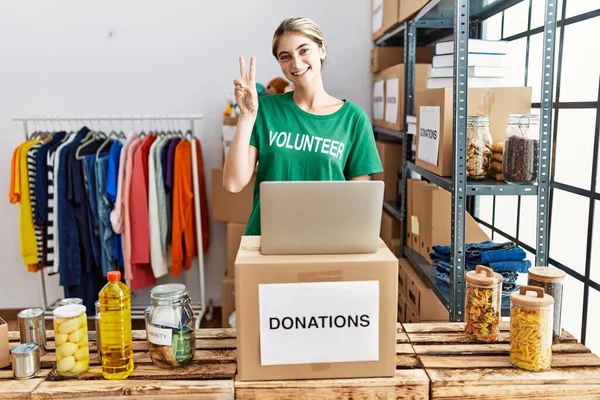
pixel 32 170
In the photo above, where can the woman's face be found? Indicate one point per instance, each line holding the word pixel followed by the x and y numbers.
pixel 299 58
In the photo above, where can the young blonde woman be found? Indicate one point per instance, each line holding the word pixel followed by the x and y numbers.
pixel 302 135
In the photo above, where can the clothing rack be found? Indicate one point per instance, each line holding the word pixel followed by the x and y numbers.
pixel 137 312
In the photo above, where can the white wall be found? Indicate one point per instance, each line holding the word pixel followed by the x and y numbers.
pixel 146 57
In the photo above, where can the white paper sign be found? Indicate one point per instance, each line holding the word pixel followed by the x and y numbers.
pixel 429 134
pixel 392 92
pixel 318 322
pixel 227 134
pixel 378 100
pixel 159 336
pixel 377 14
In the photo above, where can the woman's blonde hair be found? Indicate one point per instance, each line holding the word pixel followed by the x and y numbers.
pixel 301 25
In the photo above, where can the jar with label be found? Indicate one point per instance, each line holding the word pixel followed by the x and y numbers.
pixel 71 340
pixel 521 149
pixel 551 280
pixel 482 304
pixel 531 314
pixel 479 147
pixel 170 326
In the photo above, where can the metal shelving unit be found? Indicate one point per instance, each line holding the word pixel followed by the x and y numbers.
pixel 463 18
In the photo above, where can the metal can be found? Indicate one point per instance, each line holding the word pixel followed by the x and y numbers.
pixel 69 301
pixel 32 327
pixel 25 360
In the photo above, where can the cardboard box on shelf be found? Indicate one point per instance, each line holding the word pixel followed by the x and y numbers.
pixel 235 232
pixel 412 317
pixel 227 299
pixel 378 100
pixel 388 56
pixel 402 280
pixel 395 246
pixel 408 8
pixel 441 217
pixel 230 207
pixel 420 298
pixel 4 346
pixel 390 228
pixel 422 198
pixel 394 93
pixel 413 208
pixel 276 340
pixel 401 308
pixel 384 16
pixel 434 139
pixel 391 159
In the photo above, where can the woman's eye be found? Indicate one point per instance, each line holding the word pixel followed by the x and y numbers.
pixel 304 50
pixel 283 58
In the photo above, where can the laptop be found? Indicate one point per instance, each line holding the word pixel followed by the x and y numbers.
pixel 320 217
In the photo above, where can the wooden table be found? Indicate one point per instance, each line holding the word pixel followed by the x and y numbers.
pixel 433 361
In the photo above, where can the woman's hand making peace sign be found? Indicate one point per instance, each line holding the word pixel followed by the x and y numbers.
pixel 245 88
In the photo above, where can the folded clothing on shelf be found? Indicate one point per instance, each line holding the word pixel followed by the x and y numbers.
pixel 505 258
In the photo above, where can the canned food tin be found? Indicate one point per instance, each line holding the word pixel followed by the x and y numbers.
pixel 25 360
pixel 69 301
pixel 32 327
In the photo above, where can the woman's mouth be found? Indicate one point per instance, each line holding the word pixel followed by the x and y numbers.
pixel 300 73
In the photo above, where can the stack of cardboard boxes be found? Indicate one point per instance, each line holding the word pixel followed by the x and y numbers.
pixel 233 209
pixel 387 14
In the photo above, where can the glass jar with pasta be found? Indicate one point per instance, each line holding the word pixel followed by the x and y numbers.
pixel 482 304
pixel 531 317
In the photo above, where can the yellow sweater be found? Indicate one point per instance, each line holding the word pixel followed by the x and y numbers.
pixel 20 192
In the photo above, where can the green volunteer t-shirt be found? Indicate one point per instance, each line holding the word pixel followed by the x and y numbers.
pixel 294 145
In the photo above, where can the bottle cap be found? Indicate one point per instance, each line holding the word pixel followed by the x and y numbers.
pixel 114 276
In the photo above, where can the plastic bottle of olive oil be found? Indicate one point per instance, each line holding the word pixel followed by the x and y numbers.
pixel 115 328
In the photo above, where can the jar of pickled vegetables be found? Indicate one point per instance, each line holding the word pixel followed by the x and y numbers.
pixel 170 326
pixel 531 316
pixel 482 304
pixel 71 340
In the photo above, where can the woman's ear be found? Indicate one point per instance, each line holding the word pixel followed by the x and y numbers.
pixel 322 51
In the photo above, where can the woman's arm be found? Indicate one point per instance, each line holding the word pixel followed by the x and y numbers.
pixel 241 158
pixel 360 178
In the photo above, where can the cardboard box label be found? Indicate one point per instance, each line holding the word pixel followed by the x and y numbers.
pixel 391 100
pixel 429 134
pixel 378 100
pixel 318 322
pixel 377 15
pixel 414 224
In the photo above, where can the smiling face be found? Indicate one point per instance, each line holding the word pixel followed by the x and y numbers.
pixel 300 58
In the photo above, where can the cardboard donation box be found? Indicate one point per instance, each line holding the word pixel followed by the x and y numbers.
pixel 230 207
pixel 413 209
pixel 435 115
pixel 235 232
pixel 408 8
pixel 394 93
pixel 4 347
pixel 227 299
pixel 391 159
pixel 384 16
pixel 378 100
pixel 385 57
pixel 315 316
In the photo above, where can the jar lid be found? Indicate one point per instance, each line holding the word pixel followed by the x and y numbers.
pixel 531 296
pixel 168 290
pixel 70 311
pixel 547 274
pixel 482 276
pixel 499 277
pixel 24 349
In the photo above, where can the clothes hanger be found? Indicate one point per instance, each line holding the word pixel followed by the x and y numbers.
pixel 112 134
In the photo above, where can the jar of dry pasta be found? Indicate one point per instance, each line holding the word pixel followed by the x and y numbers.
pixel 482 304
pixel 531 316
